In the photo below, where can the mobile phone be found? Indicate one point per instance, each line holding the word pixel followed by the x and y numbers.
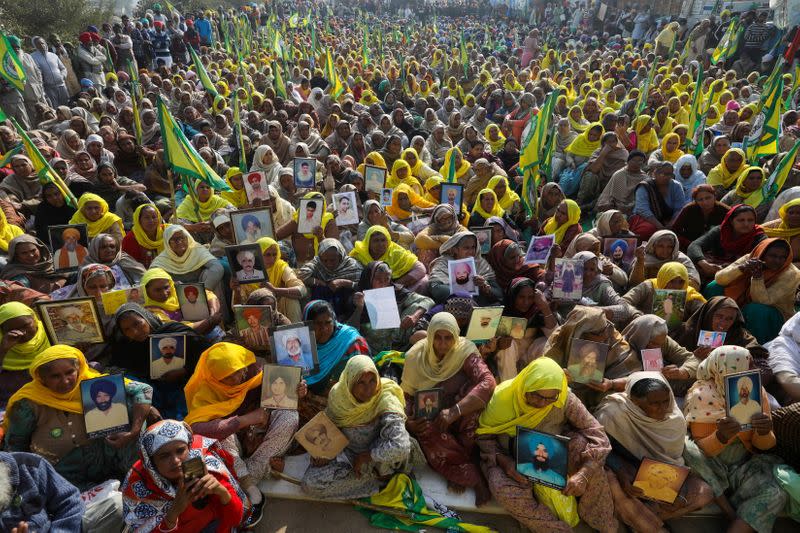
pixel 193 468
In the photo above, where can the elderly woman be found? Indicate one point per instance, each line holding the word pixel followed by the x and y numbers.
pixel 598 289
pixel 104 249
pixel 161 299
pixel 410 305
pixel 564 224
pixel 375 215
pixel 646 422
pixel 539 399
pixel 663 247
pixel 590 323
pixel 195 210
pixel 30 263
pixel 734 461
pixel 224 399
pixel 146 239
pixel 369 410
pixel 444 224
pixel 671 276
pixel 407 270
pixel 461 246
pixel 698 216
pixel 50 406
pixel 331 275
pixel 507 259
pixel 723 176
pixel 93 211
pixel 23 338
pixel 187 261
pixel 786 226
pixel 157 497
pixel 445 360
pixel 22 188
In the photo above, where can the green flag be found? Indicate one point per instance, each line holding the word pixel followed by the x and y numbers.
pixel 280 86
pixel 365 48
pixel 641 103
pixel 237 135
pixel 202 74
pixel 464 56
pixel 695 113
pixel 44 171
pixel 728 44
pixel 10 66
pixel 766 125
pixel 776 180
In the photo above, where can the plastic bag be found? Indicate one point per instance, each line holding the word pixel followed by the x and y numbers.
pixel 564 507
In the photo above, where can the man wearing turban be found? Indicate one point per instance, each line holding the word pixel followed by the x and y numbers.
pixel 106 413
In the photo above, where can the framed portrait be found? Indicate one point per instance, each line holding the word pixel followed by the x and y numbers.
pixel 374 179
pixel 712 339
pixel 249 225
pixel 669 305
pixel 542 457
pixel 309 215
pixel 568 281
pixel 73 321
pixel 295 345
pixel 193 301
pixel 386 197
pixel 104 409
pixel 462 276
pixel 321 438
pixel 620 251
pixel 247 263
pixel 483 323
pixel 428 403
pixel 253 323
pixel 452 194
pixel 511 326
pixel 743 396
pixel 70 245
pixel 167 353
pixel 279 386
pixel 539 250
pixel 484 236
pixel 256 186
pixel 305 172
pixel 587 361
pixel 346 208
pixel 661 482
pixel 652 359
pixel 113 300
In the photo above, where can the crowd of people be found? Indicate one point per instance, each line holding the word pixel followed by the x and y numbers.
pixel 442 109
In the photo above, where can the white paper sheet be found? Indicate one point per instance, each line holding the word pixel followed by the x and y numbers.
pixel 382 308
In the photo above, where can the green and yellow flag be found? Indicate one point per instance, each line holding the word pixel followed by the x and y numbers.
pixel 533 146
pixel 202 74
pixel 280 86
pixel 695 112
pixel 775 182
pixel 766 125
pixel 365 48
pixel 6 157
pixel 180 155
pixel 641 102
pixel 46 173
pixel 464 57
pixel 333 78
pixel 237 135
pixel 728 44
pixel 10 66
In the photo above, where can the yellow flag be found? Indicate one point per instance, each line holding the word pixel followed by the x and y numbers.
pixel 10 66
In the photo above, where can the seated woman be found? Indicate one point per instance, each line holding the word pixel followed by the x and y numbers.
pixel 130 351
pixel 564 224
pixel 727 172
pixel 157 498
pixel 419 169
pixel 369 411
pixel 698 216
pixel 671 276
pixel 410 305
pixel 93 211
pixel 486 206
pixel 669 152
pixel 401 175
pixel 443 225
pixel 540 399
pixel 787 226
pixel 646 422
pixel 224 399
pixel 445 360
pixel 658 200
pixel 375 215
pixel 50 407
pixel 507 259
pixel 688 175
pixel 195 211
pixel 161 299
pixel 763 284
pixel 582 147
pixel 104 249
pixel 661 248
pixel 305 245
pixel 237 196
pixel 614 268
pixel 590 323
pixel 52 211
pixel 331 275
pixel 461 246
pixel 611 224
pixel 187 261
pixel 30 263
pixel 749 182
pixel 407 270
pixel 23 338
pixel 784 360
pixel 405 203
pixel 733 461
pixel 550 198
pixel 146 239
pixel 508 200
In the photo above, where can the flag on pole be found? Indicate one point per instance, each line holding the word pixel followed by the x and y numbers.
pixel 180 155
pixel 641 102
pixel 10 66
pixel 695 113
pixel 763 137
pixel 280 86
pixel 775 182
pixel 365 48
pixel 333 78
pixel 237 135
pixel 205 80
pixel 41 166
pixel 172 9
pixel 727 45
pixel 3 115
pixel 531 155
pixel 464 56
pixel 5 158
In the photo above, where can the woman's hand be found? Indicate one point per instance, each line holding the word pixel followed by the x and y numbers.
pixel 22 527
pixel 673 372
pixel 338 284
pixel 207 486
pixel 445 418
pixel 319 461
pixel 504 342
pixel 256 417
pixel 727 428
pixel 318 232
pixel 751 267
pixel 11 339
pixel 407 322
pixel 629 489
pixel 576 484
pixel 639 253
pixel 604 386
pixel 607 269
pixel 302 389
pixel 364 458
pixel 358 299
pixel 417 426
pixel 482 284
pixel 762 423
pixel 708 269
pixel 510 468
pixel 183 497
pixel 120 440
pixel 701 352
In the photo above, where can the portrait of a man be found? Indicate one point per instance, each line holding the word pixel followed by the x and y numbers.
pixel 256 334
pixel 257 190
pixel 72 252
pixel 193 307
pixel 252 229
pixel 166 358
pixel 105 413
pixel 247 261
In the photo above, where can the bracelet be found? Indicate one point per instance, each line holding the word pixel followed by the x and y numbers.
pixel 459 410
pixel 582 475
pixel 547 316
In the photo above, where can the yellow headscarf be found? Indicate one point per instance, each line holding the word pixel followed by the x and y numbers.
pixel 141 235
pixel 423 369
pixel 398 258
pixel 646 142
pixel 667 126
pixel 581 145
pixel 20 356
pixel 673 156
pixel 417 166
pixel 741 179
pixel 430 183
pixel 579 125
pixel 7 231
pixel 152 274
pixel 670 271
pixel 102 224
pixel 373 158
pixel 783 231
pixel 396 211
pixel 238 197
pixel 508 409
pixel 35 391
pixel 509 198
pixel 501 139
pixel 205 209
pixel 460 171
pixel 574 216
pixel 394 180
pixel 275 272
pixel 497 210
pixel 721 176
pixel 206 396
pixel 326 217
pixel 346 411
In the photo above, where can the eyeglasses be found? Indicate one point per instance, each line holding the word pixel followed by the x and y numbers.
pixel 546 398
